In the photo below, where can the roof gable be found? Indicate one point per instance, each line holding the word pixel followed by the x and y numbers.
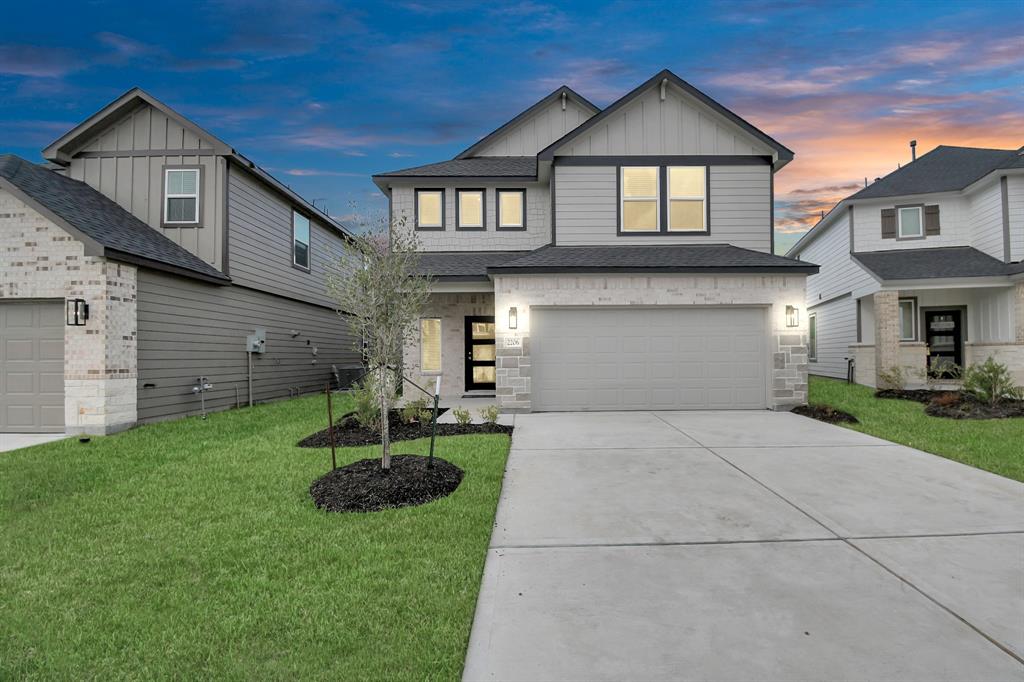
pixel 686 121
pixel 533 129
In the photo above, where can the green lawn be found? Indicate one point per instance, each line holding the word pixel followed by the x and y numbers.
pixel 996 445
pixel 191 549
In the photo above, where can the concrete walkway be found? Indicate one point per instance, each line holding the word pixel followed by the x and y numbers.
pixel 742 546
pixel 16 441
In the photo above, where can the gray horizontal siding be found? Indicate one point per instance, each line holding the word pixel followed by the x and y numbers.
pixel 188 329
pixel 260 243
pixel 837 329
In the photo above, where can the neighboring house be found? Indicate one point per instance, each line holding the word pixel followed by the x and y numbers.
pixel 615 259
pixel 180 248
pixel 922 269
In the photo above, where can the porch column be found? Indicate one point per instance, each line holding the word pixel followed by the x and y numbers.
pixel 887 333
pixel 1019 312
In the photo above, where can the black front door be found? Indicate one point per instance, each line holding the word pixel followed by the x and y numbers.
pixel 480 353
pixel 943 334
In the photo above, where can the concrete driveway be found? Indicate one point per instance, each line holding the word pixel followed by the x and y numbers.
pixel 743 546
pixel 16 441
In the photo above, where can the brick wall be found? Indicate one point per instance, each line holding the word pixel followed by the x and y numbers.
pixel 38 260
pixel 887 332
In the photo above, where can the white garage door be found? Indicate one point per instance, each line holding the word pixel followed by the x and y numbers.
pixel 31 367
pixel 648 358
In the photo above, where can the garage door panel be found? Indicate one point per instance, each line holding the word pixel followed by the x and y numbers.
pixel 31 366
pixel 19 350
pixel 20 383
pixel 648 358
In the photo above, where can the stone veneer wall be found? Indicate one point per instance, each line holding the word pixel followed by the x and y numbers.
pixel 887 331
pixel 452 308
pixel 38 260
pixel 788 346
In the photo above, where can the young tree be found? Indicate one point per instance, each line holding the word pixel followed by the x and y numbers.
pixel 380 290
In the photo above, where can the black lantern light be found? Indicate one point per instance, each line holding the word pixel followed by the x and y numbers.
pixel 792 316
pixel 78 312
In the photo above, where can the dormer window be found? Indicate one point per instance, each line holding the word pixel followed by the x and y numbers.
pixel 430 209
pixel 470 209
pixel 910 223
pixel 686 199
pixel 638 203
pixel 181 196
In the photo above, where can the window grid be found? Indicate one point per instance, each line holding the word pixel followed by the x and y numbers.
pixel 179 188
pixel 688 197
pixel 637 199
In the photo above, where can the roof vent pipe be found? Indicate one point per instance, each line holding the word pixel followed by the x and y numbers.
pixel 664 84
pixel 913 150
pixel 564 97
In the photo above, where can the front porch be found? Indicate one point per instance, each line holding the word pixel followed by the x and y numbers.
pixel 931 332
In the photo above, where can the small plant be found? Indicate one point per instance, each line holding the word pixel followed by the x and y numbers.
pixel 991 383
pixel 892 378
pixel 489 414
pixel 425 416
pixel 462 416
pixel 366 402
pixel 413 411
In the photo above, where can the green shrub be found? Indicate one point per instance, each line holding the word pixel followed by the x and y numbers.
pixel 462 416
pixel 413 411
pixel 366 403
pixel 892 378
pixel 489 414
pixel 991 382
pixel 425 416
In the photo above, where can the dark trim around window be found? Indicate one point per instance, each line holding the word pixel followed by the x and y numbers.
pixel 497 210
pixel 663 160
pixel 309 246
pixel 663 200
pixel 909 239
pixel 416 209
pixel 482 227
pixel 200 198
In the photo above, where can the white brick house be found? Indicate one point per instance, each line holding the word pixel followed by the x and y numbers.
pixel 588 259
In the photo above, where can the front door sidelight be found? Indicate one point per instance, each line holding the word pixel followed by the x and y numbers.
pixel 944 336
pixel 480 353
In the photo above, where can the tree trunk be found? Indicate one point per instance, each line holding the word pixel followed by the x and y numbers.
pixel 385 437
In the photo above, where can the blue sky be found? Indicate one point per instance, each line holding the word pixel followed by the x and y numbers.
pixel 324 94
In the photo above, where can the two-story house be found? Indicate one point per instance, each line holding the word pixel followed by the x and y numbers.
pixel 615 259
pixel 921 270
pixel 135 267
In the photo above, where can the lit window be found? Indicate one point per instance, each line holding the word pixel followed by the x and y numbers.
pixel 812 337
pixel 430 345
pixel 910 222
pixel 430 209
pixel 300 240
pixel 181 196
pixel 686 193
pixel 471 208
pixel 908 328
pixel 511 208
pixel 639 199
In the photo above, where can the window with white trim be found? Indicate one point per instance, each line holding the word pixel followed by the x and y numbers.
pixel 300 240
pixel 181 196
pixel 471 208
pixel 638 203
pixel 430 345
pixel 908 319
pixel 812 337
pixel 910 222
pixel 686 194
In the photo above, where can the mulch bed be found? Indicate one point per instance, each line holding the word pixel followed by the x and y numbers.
pixel 955 404
pixel 921 395
pixel 825 414
pixel 364 487
pixel 348 432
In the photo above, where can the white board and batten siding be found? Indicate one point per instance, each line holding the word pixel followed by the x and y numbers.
pixel 586 208
pixel 110 162
pixel 1015 204
pixel 538 130
pixel 985 211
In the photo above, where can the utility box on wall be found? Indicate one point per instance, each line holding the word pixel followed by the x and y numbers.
pixel 257 341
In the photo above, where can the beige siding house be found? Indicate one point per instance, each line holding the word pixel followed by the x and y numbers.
pixel 615 259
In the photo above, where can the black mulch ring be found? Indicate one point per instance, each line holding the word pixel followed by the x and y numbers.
pixel 364 487
pixel 921 395
pixel 348 432
pixel 826 414
pixel 962 406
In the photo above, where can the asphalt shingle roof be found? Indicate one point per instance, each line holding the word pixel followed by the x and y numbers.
pixel 652 258
pixel 944 169
pixel 932 263
pixel 476 167
pixel 463 265
pixel 98 217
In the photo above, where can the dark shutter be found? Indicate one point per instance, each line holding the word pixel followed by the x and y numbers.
pixel 931 220
pixel 888 223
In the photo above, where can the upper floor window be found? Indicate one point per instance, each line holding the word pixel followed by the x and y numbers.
pixel 181 196
pixel 511 209
pixel 686 195
pixel 300 240
pixel 430 209
pixel 909 221
pixel 639 200
pixel 471 209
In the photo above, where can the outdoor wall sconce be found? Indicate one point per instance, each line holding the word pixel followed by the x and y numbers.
pixel 792 316
pixel 78 312
pixel 513 318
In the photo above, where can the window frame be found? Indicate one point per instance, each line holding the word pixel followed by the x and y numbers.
pixel 899 221
pixel 416 209
pixel 459 227
pixel 812 337
pixel 440 347
pixel 497 209
pixel 309 241
pixel 658 201
pixel 703 199
pixel 913 317
pixel 198 196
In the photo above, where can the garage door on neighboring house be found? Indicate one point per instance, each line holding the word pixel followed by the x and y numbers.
pixel 31 367
pixel 657 358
